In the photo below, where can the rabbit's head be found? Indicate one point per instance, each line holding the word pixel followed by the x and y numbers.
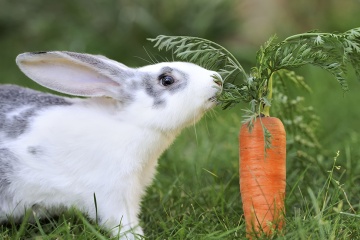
pixel 166 96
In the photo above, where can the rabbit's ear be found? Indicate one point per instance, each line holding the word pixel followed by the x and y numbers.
pixel 75 73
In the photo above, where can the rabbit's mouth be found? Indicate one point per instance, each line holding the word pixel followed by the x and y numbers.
pixel 213 100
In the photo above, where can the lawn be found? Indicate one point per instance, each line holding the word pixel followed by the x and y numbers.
pixel 196 193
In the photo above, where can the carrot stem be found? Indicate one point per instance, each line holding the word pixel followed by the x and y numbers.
pixel 266 108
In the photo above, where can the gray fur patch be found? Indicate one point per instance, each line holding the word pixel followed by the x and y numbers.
pixel 35 150
pixel 151 87
pixel 18 105
pixel 155 90
pixel 159 103
pixel 7 161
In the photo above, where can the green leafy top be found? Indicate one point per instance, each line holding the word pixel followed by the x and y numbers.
pixel 330 51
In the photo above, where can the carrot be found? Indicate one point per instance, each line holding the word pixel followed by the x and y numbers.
pixel 263 176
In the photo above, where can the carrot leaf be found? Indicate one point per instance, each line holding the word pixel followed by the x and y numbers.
pixel 332 52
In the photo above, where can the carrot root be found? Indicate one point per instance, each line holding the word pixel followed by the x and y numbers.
pixel 263 176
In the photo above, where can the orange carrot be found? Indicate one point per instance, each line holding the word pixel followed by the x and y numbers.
pixel 263 176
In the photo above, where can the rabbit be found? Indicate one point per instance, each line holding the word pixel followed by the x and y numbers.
pixel 59 152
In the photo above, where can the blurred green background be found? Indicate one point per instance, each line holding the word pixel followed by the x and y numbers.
pixel 118 29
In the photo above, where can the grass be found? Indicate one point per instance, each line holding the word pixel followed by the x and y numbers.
pixel 196 194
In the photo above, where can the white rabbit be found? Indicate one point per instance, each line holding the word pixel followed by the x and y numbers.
pixel 57 152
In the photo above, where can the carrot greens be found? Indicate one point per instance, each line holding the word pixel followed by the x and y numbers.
pixel 332 52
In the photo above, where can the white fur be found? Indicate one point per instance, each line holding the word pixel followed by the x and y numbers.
pixel 99 145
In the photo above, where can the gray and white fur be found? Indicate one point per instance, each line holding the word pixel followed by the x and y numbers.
pixel 57 152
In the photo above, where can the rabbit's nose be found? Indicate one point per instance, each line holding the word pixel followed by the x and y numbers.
pixel 217 79
pixel 218 82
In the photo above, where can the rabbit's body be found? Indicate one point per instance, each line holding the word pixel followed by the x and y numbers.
pixel 101 161
pixel 59 152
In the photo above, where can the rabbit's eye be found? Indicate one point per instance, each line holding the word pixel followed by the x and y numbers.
pixel 166 80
